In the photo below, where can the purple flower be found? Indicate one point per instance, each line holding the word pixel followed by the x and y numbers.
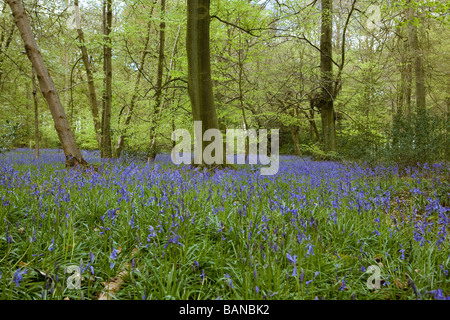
pixel 290 258
pixel 113 257
pixel 91 256
pixel 151 233
pixel 173 239
pixel 18 276
pixel 203 275
pixel 310 249
pixel 52 247
pixel 442 268
pixel 113 254
pixel 438 294
pixel 231 281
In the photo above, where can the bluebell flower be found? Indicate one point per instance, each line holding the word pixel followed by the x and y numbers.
pixel 18 275
pixel 438 294
pixel 203 275
pixel 310 249
pixel 442 268
pixel 52 247
pixel 291 259
pixel 231 281
pixel 113 257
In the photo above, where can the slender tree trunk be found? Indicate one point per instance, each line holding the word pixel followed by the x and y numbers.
pixel 159 81
pixel 199 68
pixel 326 104
pixel 294 134
pixel 36 115
pixel 65 134
pixel 241 101
pixel 90 79
pixel 312 125
pixel 107 68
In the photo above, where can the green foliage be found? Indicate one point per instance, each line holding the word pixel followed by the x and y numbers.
pixel 11 135
pixel 417 138
pixel 316 152
pixel 362 144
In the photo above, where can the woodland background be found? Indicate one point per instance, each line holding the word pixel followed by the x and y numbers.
pixel 390 81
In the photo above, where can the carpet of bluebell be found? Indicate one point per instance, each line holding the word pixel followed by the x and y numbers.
pixel 177 232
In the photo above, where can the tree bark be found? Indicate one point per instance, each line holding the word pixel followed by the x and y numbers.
pixel 295 140
pixel 90 79
pixel 326 104
pixel 199 67
pixel 36 116
pixel 107 68
pixel 312 125
pixel 159 81
pixel 67 138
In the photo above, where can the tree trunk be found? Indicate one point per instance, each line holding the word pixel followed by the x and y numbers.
pixel 36 116
pixel 312 125
pixel 107 68
pixel 199 70
pixel 326 104
pixel 90 80
pixel 295 140
pixel 241 102
pixel 159 81
pixel 65 134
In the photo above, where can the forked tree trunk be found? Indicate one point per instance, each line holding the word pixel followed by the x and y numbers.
pixel 199 67
pixel 65 134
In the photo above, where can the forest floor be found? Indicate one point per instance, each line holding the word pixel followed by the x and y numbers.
pixel 132 230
